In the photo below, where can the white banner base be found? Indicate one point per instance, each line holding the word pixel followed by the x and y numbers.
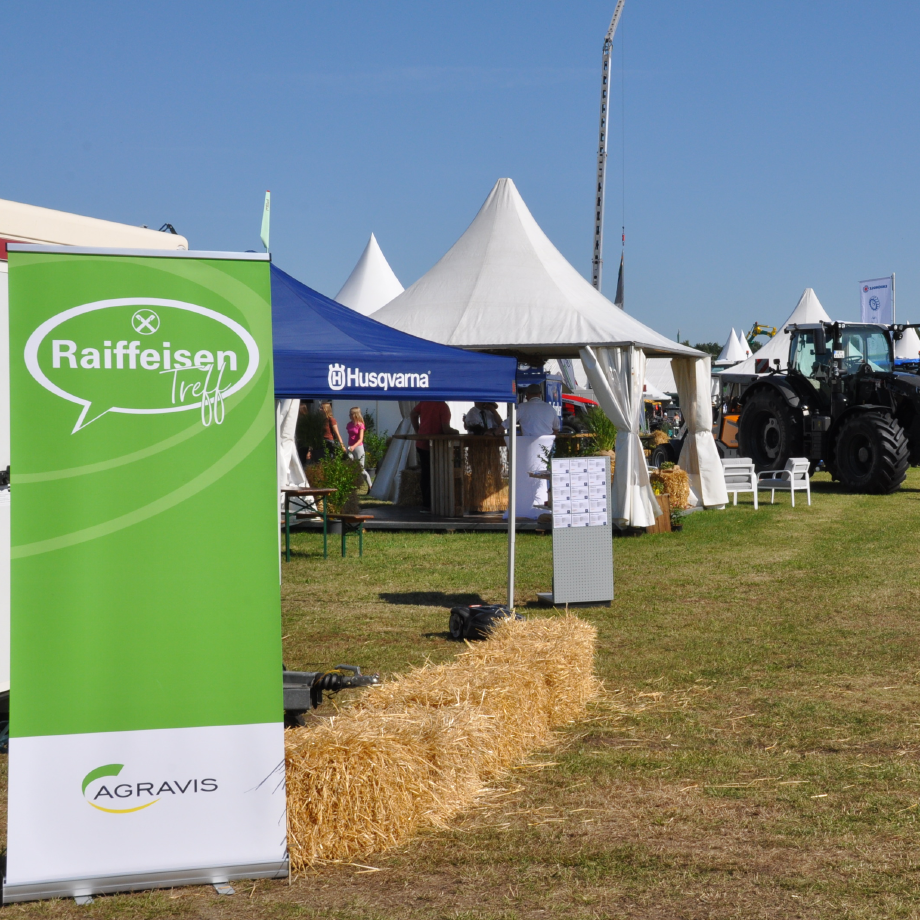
pixel 76 888
pixel 97 812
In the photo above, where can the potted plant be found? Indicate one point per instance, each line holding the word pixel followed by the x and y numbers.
pixel 603 432
pixel 339 473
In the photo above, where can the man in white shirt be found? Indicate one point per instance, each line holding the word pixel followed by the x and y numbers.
pixel 536 417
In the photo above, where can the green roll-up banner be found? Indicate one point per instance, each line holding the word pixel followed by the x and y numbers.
pixel 146 734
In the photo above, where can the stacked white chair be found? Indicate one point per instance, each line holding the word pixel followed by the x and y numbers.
pixel 740 476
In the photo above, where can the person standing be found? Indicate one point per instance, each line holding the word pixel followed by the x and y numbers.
pixel 356 429
pixel 429 418
pixel 536 418
pixel 330 430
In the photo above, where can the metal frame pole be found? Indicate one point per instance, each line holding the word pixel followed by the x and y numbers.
pixel 893 314
pixel 512 496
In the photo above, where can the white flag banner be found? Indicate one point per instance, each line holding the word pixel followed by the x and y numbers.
pixel 877 301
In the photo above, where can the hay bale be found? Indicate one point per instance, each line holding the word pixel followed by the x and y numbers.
pixel 410 489
pixel 419 749
pixel 659 437
pixel 675 483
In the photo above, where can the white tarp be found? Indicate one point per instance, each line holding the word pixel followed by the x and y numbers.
pixel 503 285
pixel 399 455
pixel 699 456
pixel 617 376
pixel 908 346
pixel 659 374
pixel 290 469
pixel 371 284
pixel 807 310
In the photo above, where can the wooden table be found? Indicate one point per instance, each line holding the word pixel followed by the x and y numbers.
pixel 447 485
pixel 312 493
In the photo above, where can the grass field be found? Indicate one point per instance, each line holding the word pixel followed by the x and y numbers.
pixel 756 752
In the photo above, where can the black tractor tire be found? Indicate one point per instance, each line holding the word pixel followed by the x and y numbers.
pixel 913 440
pixel 661 453
pixel 769 431
pixel 871 453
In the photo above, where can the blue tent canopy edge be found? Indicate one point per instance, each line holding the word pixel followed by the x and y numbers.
pixel 322 348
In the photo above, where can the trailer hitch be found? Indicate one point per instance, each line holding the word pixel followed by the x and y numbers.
pixel 303 690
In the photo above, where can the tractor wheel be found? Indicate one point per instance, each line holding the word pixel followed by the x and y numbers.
pixel 769 431
pixel 913 440
pixel 661 453
pixel 871 453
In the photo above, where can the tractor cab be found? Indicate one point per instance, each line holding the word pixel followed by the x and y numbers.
pixel 823 352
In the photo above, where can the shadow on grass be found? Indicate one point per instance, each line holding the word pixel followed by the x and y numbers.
pixel 431 599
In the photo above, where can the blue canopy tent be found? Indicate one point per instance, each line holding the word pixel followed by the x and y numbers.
pixel 322 348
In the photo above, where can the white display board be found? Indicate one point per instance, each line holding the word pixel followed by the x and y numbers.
pixel 580 492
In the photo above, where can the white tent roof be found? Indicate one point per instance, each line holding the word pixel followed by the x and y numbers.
pixel 504 286
pixel 807 310
pixel 732 351
pixel 372 283
pixel 650 391
pixel 908 346
pixel 743 342
pixel 658 374
pixel 30 224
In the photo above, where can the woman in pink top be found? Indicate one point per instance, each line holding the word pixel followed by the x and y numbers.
pixel 355 429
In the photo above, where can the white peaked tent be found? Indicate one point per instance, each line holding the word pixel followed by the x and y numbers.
pixel 743 342
pixel 807 310
pixel 732 352
pixel 371 284
pixel 504 287
pixel 908 346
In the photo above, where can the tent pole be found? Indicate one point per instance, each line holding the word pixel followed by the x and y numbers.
pixel 512 496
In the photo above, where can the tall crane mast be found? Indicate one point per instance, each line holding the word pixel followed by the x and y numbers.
pixel 598 261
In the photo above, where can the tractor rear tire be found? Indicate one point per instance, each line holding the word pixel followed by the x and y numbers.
pixel 871 453
pixel 661 453
pixel 769 431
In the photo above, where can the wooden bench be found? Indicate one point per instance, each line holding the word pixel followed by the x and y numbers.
pixel 352 523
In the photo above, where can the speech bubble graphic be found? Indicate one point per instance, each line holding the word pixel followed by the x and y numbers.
pixel 189 358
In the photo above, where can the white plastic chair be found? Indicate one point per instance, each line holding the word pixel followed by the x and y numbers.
pixel 792 478
pixel 740 476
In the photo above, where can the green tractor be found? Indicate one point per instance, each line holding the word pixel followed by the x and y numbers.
pixel 839 402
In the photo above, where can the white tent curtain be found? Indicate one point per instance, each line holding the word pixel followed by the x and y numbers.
pixel 399 455
pixel 699 456
pixel 290 470
pixel 617 376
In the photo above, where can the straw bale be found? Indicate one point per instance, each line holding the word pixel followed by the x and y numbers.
pixel 420 748
pixel 659 437
pixel 410 488
pixel 675 483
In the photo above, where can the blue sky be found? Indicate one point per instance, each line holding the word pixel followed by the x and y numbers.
pixel 769 147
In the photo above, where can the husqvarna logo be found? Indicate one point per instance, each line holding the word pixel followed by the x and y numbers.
pixel 341 376
pixel 336 376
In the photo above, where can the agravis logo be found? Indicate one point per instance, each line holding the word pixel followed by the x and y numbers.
pixel 135 795
pixel 341 376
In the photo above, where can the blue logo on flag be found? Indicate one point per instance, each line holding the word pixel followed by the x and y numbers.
pixel 874 303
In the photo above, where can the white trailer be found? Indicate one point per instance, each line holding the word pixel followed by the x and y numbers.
pixel 25 223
